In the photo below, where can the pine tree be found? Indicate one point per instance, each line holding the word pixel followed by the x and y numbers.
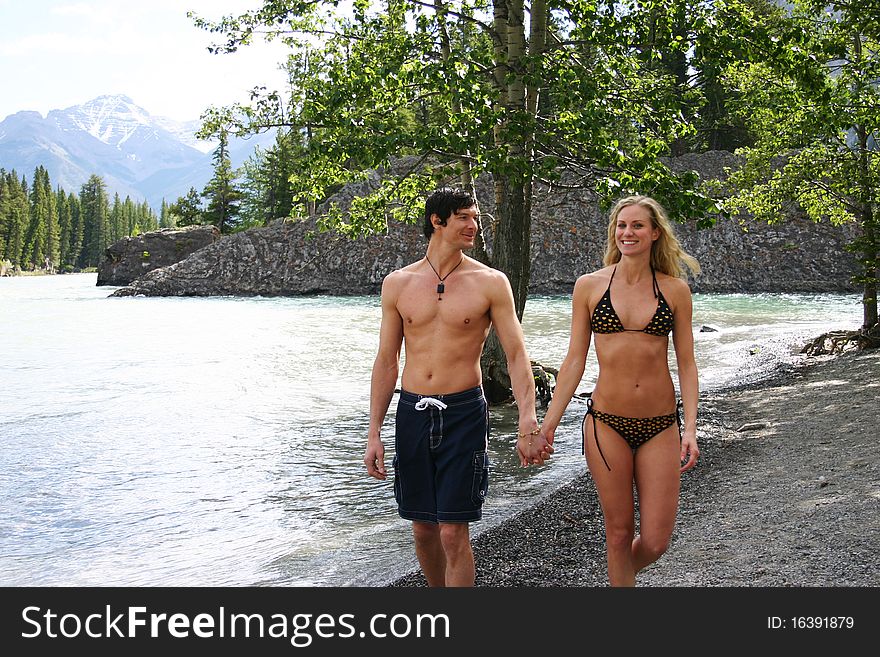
pixel 36 234
pixel 116 221
pixel 16 219
pixel 5 205
pixel 267 194
pixel 74 246
pixel 166 219
pixel 222 195
pixel 53 231
pixel 145 219
pixel 187 210
pixel 95 220
pixel 64 226
pixel 129 217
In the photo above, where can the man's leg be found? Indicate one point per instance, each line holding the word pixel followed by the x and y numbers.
pixel 429 550
pixel 456 541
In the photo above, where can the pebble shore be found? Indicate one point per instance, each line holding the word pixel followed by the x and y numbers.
pixel 786 493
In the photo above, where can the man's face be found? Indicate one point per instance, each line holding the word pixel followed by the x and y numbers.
pixel 461 227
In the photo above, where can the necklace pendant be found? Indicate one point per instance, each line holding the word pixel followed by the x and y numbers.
pixel 440 287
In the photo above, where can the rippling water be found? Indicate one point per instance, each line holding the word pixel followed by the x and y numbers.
pixel 218 441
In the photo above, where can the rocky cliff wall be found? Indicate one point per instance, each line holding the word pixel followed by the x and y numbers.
pixel 568 239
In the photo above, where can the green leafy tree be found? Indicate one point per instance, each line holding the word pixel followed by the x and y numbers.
pixel 468 89
pixel 810 92
pixel 145 219
pixel 267 193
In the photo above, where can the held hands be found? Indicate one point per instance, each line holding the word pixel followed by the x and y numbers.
pixel 689 449
pixel 374 459
pixel 533 448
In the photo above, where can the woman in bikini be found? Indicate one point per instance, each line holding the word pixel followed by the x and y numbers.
pixel 631 433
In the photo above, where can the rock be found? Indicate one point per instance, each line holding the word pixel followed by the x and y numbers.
pixel 706 328
pixel 753 426
pixel 132 257
pixel 568 239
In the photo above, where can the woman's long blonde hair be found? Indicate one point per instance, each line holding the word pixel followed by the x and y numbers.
pixel 667 256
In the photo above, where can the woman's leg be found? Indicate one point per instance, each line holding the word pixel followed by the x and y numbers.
pixel 615 488
pixel 657 482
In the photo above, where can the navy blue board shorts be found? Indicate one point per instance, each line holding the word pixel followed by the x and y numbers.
pixel 441 462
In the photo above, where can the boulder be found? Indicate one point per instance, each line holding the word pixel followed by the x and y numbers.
pixel 131 257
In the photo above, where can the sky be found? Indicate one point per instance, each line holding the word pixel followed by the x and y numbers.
pixel 59 53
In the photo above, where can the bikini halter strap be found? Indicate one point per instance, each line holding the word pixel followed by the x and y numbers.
pixel 653 276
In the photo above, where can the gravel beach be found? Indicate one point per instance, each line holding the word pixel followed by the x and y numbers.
pixel 786 493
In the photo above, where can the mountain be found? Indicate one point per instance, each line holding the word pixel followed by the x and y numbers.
pixel 138 155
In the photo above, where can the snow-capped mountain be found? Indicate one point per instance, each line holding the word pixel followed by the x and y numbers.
pixel 137 154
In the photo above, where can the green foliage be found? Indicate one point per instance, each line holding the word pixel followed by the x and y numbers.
pixel 404 78
pixel 810 91
pixel 221 193
pixel 186 210
pixel 40 228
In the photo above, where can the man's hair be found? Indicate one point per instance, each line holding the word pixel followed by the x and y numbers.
pixel 445 202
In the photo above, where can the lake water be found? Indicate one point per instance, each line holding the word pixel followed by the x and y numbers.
pixel 219 441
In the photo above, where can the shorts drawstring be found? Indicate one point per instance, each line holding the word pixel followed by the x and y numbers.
pixel 424 402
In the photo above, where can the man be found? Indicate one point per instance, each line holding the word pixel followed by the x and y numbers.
pixel 442 307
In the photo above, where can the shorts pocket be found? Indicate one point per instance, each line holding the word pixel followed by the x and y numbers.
pixel 397 486
pixel 481 477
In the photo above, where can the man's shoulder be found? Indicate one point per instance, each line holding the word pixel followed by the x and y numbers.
pixel 401 275
pixel 490 279
pixel 483 269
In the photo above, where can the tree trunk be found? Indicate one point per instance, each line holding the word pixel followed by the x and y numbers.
pixel 870 259
pixel 869 234
pixel 513 185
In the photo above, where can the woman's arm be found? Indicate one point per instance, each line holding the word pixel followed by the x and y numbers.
pixel 572 368
pixel 688 381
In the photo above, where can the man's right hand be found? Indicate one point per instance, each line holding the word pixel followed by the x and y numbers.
pixel 374 459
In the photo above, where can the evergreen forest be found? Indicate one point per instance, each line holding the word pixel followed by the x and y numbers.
pixel 60 231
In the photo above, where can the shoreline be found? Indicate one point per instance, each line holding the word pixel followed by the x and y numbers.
pixel 786 493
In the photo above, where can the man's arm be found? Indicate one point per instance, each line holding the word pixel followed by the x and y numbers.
pixel 384 376
pixel 530 445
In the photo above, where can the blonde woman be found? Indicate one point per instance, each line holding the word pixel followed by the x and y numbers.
pixel 632 431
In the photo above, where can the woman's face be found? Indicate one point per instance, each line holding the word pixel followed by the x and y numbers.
pixel 635 232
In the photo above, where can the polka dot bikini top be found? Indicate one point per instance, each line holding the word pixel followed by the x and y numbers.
pixel 605 319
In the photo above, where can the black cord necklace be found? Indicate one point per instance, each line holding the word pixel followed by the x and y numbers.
pixel 441 286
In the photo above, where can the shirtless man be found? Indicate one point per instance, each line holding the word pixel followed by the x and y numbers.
pixel 442 307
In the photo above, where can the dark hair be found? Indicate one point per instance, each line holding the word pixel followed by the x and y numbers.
pixel 445 202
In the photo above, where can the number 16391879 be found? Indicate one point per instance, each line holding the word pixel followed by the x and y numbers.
pixel 810 623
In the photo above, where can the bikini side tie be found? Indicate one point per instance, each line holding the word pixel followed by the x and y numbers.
pixel 595 432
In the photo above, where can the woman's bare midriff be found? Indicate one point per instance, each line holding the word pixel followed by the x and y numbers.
pixel 634 378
